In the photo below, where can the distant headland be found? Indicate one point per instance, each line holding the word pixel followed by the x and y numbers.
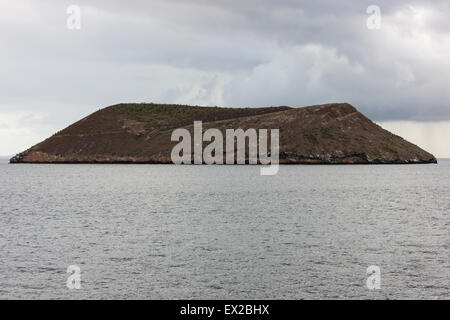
pixel 334 133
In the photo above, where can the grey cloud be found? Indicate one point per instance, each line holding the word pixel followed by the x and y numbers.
pixel 238 53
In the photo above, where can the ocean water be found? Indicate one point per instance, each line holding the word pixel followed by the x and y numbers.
pixel 224 232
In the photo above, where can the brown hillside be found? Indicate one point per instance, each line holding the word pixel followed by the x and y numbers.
pixel 140 133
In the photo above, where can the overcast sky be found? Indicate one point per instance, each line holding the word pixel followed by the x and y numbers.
pixel 243 53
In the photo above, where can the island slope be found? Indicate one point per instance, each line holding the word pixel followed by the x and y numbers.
pixel 333 133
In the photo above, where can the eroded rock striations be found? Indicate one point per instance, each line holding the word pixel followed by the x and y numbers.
pixel 333 133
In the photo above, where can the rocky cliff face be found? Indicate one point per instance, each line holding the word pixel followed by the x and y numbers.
pixel 140 133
